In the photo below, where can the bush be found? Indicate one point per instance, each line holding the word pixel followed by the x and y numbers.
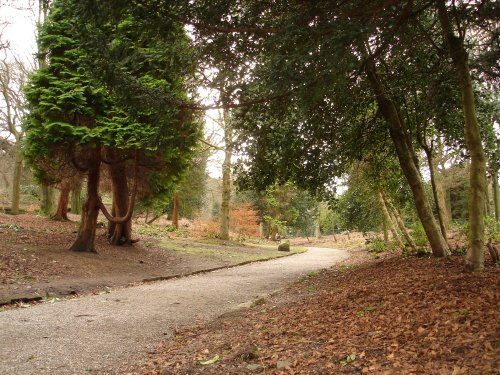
pixel 377 245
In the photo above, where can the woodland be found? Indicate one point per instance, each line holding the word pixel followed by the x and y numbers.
pixel 369 125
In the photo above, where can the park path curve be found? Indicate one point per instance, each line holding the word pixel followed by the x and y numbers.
pixel 99 333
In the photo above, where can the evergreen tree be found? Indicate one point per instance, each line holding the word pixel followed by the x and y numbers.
pixel 77 123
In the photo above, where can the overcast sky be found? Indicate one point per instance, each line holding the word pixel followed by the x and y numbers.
pixel 19 26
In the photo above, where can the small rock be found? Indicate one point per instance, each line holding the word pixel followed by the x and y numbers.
pixel 285 246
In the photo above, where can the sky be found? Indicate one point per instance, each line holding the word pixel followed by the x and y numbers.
pixel 19 18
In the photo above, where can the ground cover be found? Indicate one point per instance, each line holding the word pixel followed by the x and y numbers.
pixel 375 315
pixel 35 261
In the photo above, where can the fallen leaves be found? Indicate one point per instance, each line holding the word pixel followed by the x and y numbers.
pixel 405 319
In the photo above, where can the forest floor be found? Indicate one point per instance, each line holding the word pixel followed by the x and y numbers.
pixel 36 265
pixel 378 315
pixel 374 314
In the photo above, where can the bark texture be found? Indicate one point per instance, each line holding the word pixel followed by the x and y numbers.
pixel 61 213
pixel 86 233
pixel 475 254
pixel 226 178
pixel 401 226
pixel 119 233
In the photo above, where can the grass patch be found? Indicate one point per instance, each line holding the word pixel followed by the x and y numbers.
pixel 231 251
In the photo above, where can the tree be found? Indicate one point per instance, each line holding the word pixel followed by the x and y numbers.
pixel 13 75
pixel 459 55
pixel 307 57
pixel 77 124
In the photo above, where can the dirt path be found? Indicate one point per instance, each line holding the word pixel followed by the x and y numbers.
pixel 97 334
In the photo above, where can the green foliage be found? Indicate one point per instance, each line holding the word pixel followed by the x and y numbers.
pixel 377 245
pixel 215 210
pixel 358 210
pixel 74 109
pixel 328 221
pixel 418 235
pixel 492 229
pixel 289 210
pixel 192 188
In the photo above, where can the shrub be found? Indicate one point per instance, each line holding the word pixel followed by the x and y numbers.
pixel 377 245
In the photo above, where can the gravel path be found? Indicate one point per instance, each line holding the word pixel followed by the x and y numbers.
pixel 95 334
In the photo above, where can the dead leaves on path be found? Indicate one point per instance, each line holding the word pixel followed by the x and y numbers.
pixel 396 316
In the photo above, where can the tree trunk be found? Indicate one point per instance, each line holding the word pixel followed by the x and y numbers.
pixel 76 199
pixel 175 211
pixel 226 178
pixel 401 225
pixel 333 227
pixel 496 195
pixel 493 251
pixel 62 204
pixel 407 160
pixel 388 219
pixel 119 233
pixel 47 200
pixel 317 228
pixel 86 233
pixel 486 200
pixel 437 192
pixel 475 253
pixel 16 178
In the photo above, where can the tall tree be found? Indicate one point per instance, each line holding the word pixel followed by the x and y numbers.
pixel 306 56
pixel 76 122
pixel 13 75
pixel 454 37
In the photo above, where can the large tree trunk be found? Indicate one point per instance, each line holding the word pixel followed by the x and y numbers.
pixel 62 204
pixel 408 162
pixel 86 233
pixel 16 179
pixel 119 233
pixel 496 195
pixel 475 254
